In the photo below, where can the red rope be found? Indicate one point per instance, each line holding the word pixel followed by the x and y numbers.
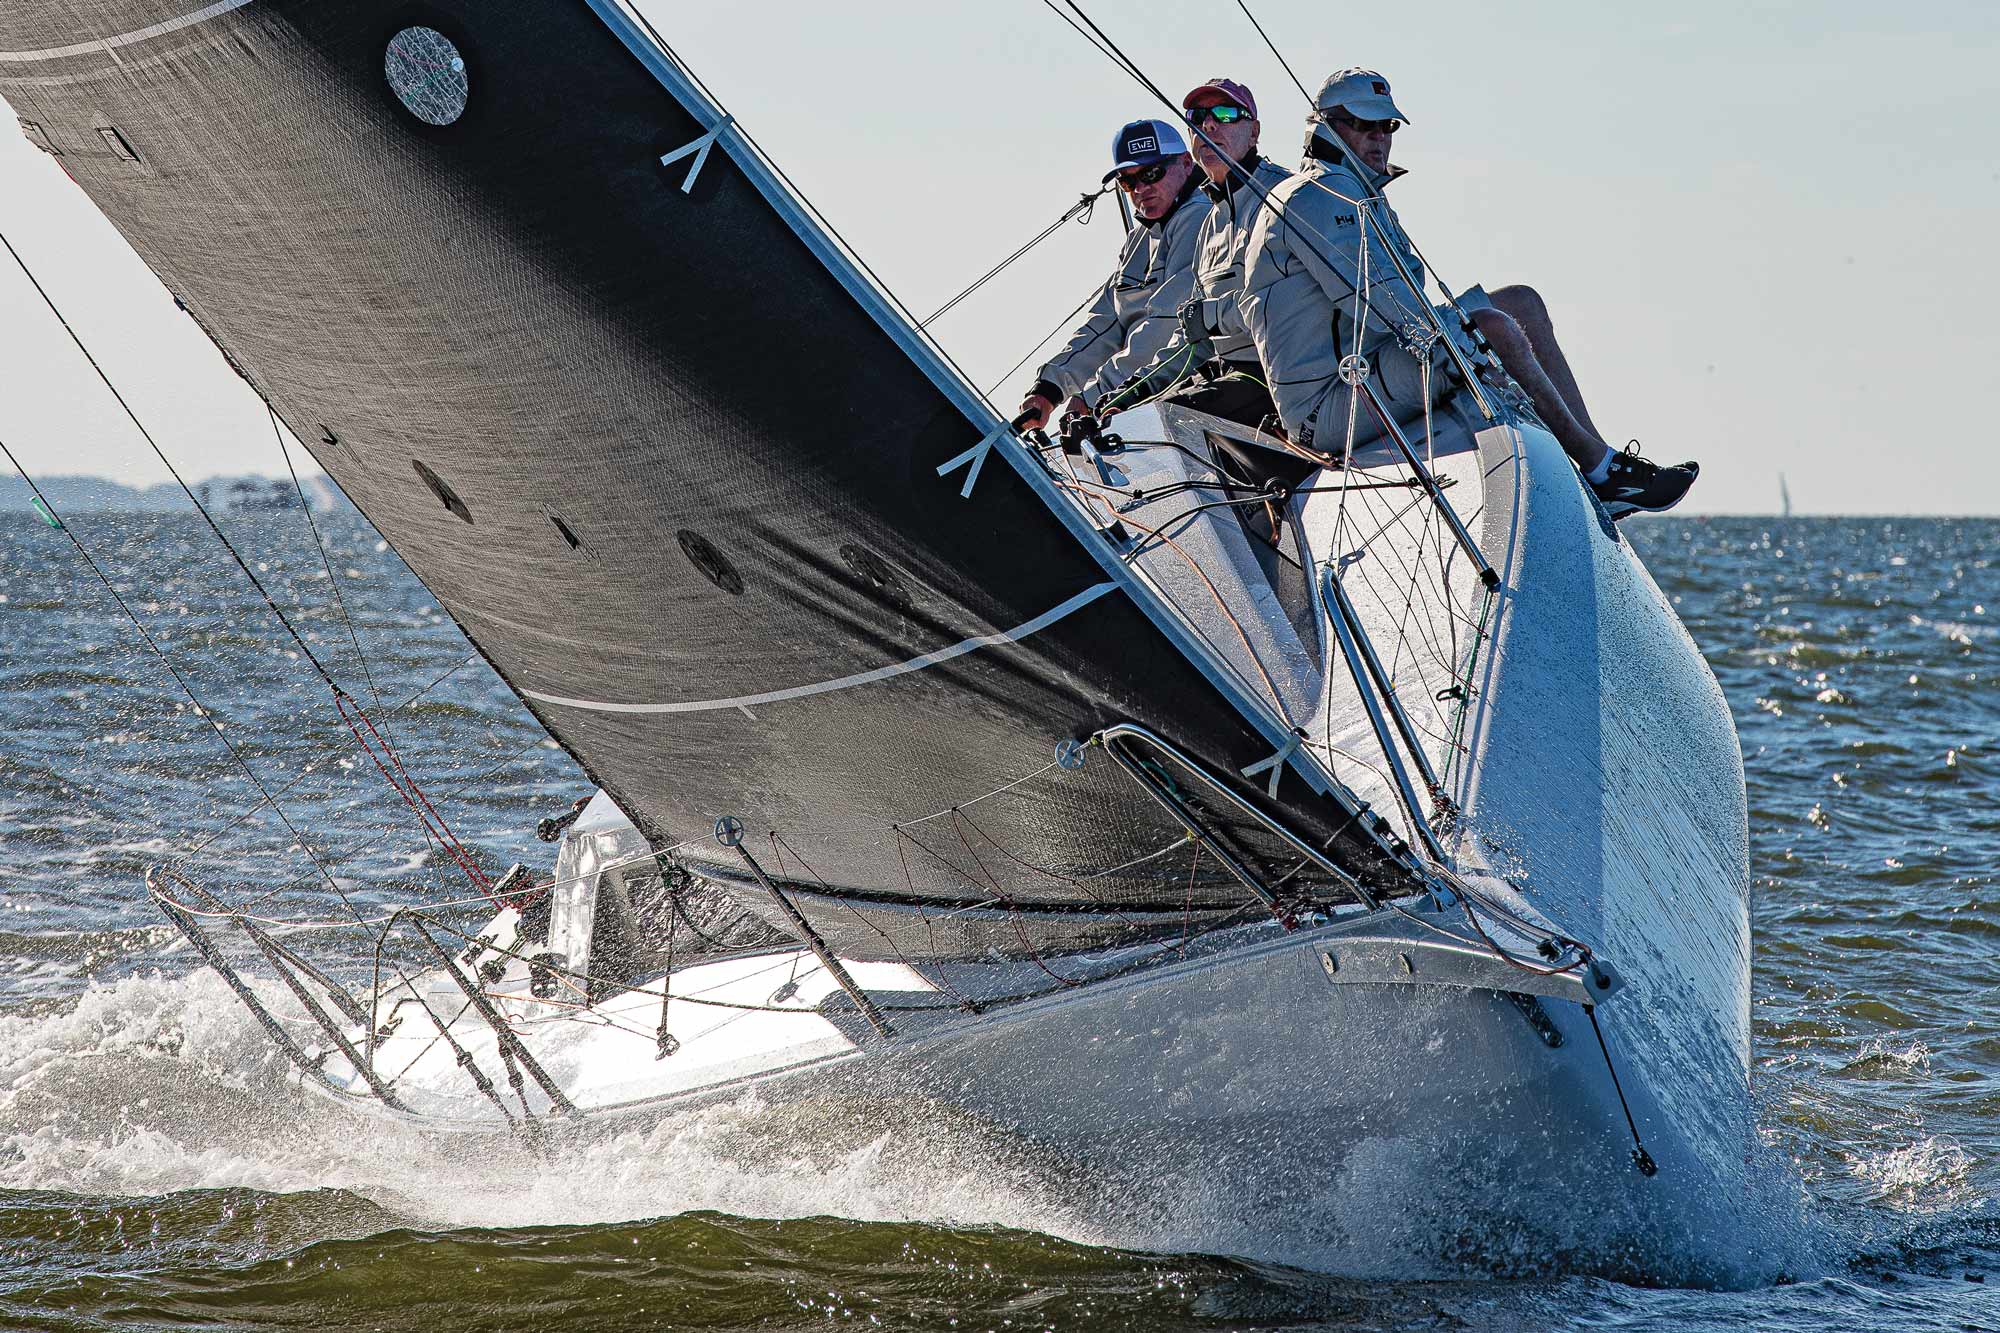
pixel 413 795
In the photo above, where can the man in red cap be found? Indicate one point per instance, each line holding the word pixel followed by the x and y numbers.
pixel 1211 365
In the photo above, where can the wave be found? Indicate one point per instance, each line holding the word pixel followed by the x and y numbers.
pixel 156 1086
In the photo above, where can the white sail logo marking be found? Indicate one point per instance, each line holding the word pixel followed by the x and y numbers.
pixel 976 456
pixel 201 15
pixel 700 148
pixel 959 649
pixel 1275 765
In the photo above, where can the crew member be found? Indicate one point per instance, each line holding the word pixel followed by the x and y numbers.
pixel 1211 363
pixel 1319 260
pixel 1136 313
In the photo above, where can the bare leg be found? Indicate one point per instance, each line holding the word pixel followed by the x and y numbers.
pixel 1532 314
pixel 1510 343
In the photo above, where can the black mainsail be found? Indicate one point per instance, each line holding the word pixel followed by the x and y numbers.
pixel 665 455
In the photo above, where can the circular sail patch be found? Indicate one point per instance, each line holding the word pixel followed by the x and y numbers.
pixel 427 73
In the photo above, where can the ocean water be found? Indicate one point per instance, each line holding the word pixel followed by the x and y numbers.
pixel 157 1171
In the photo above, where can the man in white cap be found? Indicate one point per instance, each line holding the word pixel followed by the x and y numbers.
pixel 1211 363
pixel 1320 260
pixel 1135 315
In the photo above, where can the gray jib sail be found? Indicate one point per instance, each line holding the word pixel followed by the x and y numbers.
pixel 673 473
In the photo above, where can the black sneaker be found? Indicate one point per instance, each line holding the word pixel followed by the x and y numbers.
pixel 1635 484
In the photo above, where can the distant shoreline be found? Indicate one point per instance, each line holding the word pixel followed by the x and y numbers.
pixel 101 495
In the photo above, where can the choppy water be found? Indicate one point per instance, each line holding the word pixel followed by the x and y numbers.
pixel 155 1171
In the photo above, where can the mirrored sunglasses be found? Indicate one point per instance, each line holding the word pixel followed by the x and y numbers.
pixel 1222 113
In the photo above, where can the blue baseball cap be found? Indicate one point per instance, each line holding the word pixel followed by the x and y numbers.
pixel 1142 143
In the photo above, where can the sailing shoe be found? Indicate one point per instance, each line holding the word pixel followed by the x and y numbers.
pixel 1633 483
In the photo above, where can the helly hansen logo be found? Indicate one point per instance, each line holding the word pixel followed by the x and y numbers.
pixel 1343 219
pixel 1148 144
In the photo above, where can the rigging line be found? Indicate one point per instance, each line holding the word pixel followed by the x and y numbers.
pixel 1277 697
pixel 1084 208
pixel 1004 787
pixel 1109 908
pixel 413 795
pixel 349 856
pixel 1405 655
pixel 1640 1157
pixel 904 835
pixel 428 1047
pixel 201 709
pixel 1102 46
pixel 1075 310
pixel 930 929
pixel 333 581
pixel 200 508
pixel 1436 601
pixel 1276 52
pixel 852 253
pixel 326 563
pixel 1020 931
pixel 1427 315
pixel 1148 957
pixel 313 764
pixel 1177 362
pixel 778 841
pixel 1436 595
pixel 1411 584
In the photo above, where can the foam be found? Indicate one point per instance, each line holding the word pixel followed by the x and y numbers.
pixel 1929 1175
pixel 157 1084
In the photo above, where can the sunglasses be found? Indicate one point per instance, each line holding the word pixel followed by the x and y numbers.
pixel 1361 126
pixel 1138 176
pixel 1222 113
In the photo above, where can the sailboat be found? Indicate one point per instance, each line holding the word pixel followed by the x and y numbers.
pixel 1223 839
pixel 1784 497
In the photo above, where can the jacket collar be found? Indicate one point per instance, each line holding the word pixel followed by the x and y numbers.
pixel 1323 145
pixel 1239 177
pixel 1187 192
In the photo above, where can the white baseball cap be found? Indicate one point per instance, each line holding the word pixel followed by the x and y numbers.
pixel 1361 93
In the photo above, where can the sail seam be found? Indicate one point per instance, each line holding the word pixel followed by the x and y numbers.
pixel 959 649
pixel 137 35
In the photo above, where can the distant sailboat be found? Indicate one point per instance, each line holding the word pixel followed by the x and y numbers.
pixel 1784 496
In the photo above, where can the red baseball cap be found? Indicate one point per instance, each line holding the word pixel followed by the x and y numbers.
pixel 1228 89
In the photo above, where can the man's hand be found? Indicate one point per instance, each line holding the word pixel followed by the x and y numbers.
pixel 1035 411
pixel 1040 405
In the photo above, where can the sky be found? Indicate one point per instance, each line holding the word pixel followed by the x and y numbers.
pixel 1764 230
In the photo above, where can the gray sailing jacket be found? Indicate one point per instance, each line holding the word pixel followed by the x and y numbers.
pixel 1218 283
pixel 1135 314
pixel 1317 266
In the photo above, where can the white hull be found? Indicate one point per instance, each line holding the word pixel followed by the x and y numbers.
pixel 1244 1080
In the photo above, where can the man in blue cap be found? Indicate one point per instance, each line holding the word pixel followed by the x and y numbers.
pixel 1320 260
pixel 1136 313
